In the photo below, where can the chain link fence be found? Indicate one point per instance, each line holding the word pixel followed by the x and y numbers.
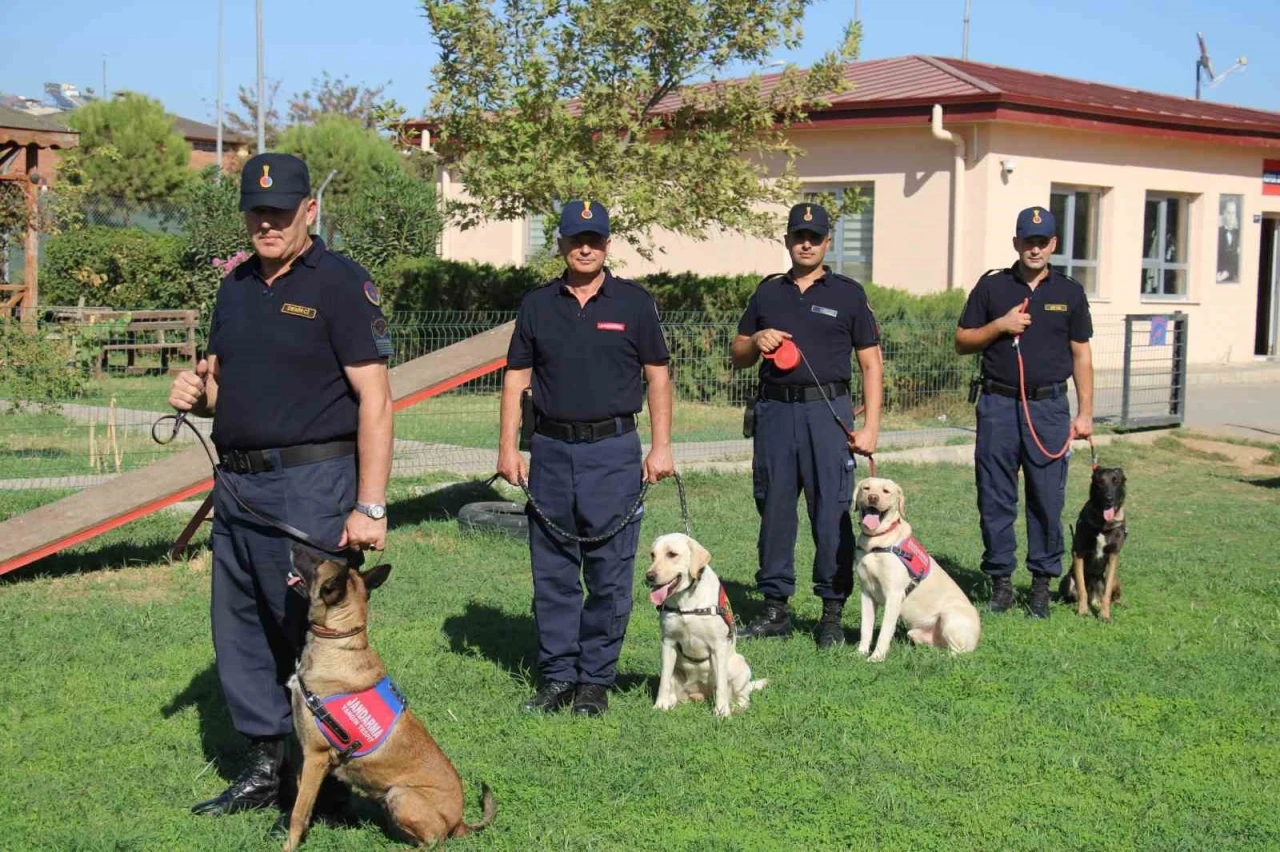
pixel 106 429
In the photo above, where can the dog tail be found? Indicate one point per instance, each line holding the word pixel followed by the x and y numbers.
pixel 490 807
pixel 755 685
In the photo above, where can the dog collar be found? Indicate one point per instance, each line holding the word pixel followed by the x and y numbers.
pixel 722 609
pixel 326 633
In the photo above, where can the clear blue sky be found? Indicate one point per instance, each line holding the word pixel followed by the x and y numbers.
pixel 150 47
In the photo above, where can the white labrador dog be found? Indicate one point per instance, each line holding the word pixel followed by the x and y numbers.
pixel 699 656
pixel 899 575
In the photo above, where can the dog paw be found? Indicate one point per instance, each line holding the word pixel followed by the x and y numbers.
pixel 664 704
pixel 865 651
pixel 723 712
pixel 877 657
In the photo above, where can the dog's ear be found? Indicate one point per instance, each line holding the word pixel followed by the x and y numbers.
pixel 858 491
pixel 375 576
pixel 701 559
pixel 303 558
pixel 902 500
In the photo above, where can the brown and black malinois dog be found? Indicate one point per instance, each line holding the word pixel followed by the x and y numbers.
pixel 1099 535
pixel 351 719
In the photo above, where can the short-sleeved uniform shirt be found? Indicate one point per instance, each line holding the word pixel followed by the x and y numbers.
pixel 1059 314
pixel 827 322
pixel 587 360
pixel 282 350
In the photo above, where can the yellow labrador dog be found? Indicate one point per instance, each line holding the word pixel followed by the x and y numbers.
pixel 898 574
pixel 699 656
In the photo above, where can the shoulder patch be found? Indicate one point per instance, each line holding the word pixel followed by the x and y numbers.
pixel 371 293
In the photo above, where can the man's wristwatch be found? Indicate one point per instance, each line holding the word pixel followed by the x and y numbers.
pixel 373 510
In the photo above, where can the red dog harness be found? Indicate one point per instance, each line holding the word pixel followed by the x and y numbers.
pixel 357 723
pixel 722 609
pixel 913 556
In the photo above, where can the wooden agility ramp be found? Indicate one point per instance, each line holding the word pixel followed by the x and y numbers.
pixel 93 511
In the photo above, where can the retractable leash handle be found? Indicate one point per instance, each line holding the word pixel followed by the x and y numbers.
pixel 1026 407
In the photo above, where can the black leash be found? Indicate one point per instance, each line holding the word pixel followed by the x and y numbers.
pixel 617 528
pixel 288 529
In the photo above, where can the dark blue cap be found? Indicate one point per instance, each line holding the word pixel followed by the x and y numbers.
pixel 1036 222
pixel 582 217
pixel 809 217
pixel 274 180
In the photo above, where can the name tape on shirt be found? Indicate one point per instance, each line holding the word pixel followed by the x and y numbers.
pixel 611 326
pixel 298 310
pixel 826 312
pixel 1055 307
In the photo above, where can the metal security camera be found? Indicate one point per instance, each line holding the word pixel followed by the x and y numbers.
pixel 1008 165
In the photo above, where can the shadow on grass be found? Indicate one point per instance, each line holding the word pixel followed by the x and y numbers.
pixel 113 557
pixel 511 641
pixel 442 504
pixel 972 581
pixel 220 742
pixel 1273 482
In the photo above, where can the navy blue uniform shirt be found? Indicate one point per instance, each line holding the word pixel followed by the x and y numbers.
pixel 827 321
pixel 587 360
pixel 282 349
pixel 1059 314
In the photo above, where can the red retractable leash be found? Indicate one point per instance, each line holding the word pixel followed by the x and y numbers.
pixel 787 357
pixel 1026 408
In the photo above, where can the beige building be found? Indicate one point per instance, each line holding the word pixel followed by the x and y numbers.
pixel 1163 203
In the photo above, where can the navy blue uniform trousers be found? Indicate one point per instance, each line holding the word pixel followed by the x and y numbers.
pixel 586 489
pixel 1004 445
pixel 258 624
pixel 798 447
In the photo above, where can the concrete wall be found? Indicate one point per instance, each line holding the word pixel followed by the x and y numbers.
pixel 1125 168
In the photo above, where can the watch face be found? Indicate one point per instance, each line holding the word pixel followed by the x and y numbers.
pixel 377 512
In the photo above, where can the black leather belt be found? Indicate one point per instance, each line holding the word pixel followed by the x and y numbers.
pixel 580 433
pixel 262 461
pixel 802 393
pixel 1042 392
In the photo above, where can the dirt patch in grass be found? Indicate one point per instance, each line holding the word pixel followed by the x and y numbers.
pixel 137 585
pixel 1251 460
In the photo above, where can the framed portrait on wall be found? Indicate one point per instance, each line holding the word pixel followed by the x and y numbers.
pixel 1230 216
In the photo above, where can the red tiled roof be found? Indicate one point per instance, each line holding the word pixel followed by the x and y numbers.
pixel 905 83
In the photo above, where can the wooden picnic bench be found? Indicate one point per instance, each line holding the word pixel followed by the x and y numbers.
pixel 161 332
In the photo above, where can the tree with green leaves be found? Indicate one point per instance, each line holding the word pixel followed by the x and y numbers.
pixel 360 156
pixel 632 103
pixel 128 149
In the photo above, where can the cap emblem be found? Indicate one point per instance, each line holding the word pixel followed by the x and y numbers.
pixel 808 214
pixel 265 181
pixel 586 210
pixel 1035 216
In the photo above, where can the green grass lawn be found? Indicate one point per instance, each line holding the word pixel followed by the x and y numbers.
pixel 1158 731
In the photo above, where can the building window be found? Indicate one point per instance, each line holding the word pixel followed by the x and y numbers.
pixel 536 241
pixel 852 239
pixel 1230 208
pixel 1075 209
pixel 1164 247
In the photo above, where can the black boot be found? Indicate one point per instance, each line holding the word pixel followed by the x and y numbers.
pixel 1038 605
pixel 590 699
pixel 554 695
pixel 830 633
pixel 1001 594
pixel 774 621
pixel 258 785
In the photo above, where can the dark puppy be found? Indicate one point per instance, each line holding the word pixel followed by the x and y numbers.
pixel 1095 547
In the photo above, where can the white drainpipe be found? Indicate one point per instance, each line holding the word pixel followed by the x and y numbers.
pixel 957 194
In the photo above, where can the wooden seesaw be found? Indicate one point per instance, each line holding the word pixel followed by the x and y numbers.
pixel 93 511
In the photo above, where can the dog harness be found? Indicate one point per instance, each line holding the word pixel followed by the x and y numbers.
pixel 722 609
pixel 357 723
pixel 914 556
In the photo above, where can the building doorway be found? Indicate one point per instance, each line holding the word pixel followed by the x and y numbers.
pixel 1268 322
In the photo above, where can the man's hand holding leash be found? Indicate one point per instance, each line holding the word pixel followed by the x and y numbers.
pixel 769 339
pixel 512 466
pixel 362 532
pixel 658 465
pixel 188 391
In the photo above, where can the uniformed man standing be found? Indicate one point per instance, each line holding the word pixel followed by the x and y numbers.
pixel 296 381
pixel 585 341
pixel 1054 327
pixel 798 445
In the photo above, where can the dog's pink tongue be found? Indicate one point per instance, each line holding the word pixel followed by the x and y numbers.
pixel 658 595
pixel 871 522
pixel 1108 514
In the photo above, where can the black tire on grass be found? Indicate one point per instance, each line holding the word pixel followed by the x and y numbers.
pixel 495 516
